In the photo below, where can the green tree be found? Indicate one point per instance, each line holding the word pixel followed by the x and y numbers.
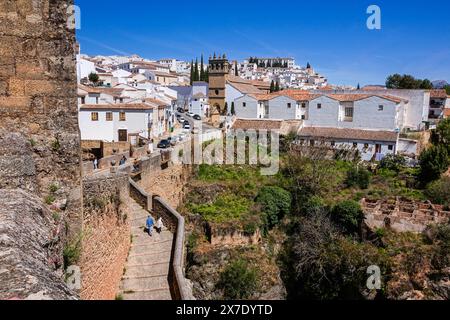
pixel 393 162
pixel 441 136
pixel 196 71
pixel 433 163
pixel 426 84
pixel 94 78
pixel 308 66
pixel 348 215
pixel 447 89
pixel 358 87
pixel 277 86
pixel 202 71
pixel 275 202
pixel 236 71
pixel 439 191
pixel 272 86
pixel 192 72
pixel 393 81
pixel 358 177
pixel 225 109
pixel 238 280
pixel 233 111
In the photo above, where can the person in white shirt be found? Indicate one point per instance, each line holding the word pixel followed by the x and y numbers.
pixel 159 225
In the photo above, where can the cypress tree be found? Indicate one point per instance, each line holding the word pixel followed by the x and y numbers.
pixel 202 71
pixel 225 109
pixel 277 86
pixel 308 66
pixel 192 72
pixel 272 86
pixel 236 71
pixel 196 73
pixel 233 111
pixel 358 87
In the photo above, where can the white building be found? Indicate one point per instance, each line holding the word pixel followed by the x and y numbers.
pixel 114 122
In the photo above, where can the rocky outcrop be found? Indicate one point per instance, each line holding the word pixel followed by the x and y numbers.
pixel 39 147
pixel 30 249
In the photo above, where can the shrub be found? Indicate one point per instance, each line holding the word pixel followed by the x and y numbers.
pixel 72 252
pixel 313 205
pixel 348 215
pixel 439 191
pixel 358 177
pixel 441 136
pixel 238 280
pixel 56 145
pixel 276 202
pixel 226 208
pixel 49 199
pixel 393 162
pixel 433 162
pixel 53 188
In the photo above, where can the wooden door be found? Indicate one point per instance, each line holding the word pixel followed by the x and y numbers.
pixel 123 135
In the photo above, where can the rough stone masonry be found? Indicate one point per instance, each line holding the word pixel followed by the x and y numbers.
pixel 39 147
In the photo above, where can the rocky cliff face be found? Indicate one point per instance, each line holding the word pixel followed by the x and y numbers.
pixel 39 146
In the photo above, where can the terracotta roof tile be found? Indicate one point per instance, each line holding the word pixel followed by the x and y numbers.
pixel 440 94
pixel 116 106
pixel 348 134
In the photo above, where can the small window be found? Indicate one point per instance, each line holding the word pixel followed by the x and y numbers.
pixel 333 143
pixel 303 105
pixel 289 105
pixel 349 112
pixel 366 145
pixel 391 147
pixel 303 117
pixel 83 100
pixel 94 116
pixel 380 107
pixel 96 100
pixel 244 104
pixel 312 142
pixel 319 106
pixel 217 92
pixel 109 116
pixel 122 116
pixel 355 144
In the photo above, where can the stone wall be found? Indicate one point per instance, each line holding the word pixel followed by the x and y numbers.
pixel 39 146
pixel 168 183
pixel 105 237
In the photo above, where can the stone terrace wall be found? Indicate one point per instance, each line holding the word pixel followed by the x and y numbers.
pixel 106 235
pixel 39 144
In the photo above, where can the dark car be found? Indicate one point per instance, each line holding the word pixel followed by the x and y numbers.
pixel 186 122
pixel 164 144
pixel 180 110
pixel 197 117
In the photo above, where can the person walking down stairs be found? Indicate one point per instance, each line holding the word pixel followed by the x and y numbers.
pixel 149 224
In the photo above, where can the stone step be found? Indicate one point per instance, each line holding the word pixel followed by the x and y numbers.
pixel 163 294
pixel 150 247
pixel 149 258
pixel 145 284
pixel 142 237
pixel 142 270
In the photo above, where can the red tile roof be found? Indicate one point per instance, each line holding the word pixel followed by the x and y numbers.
pixel 116 106
pixel 439 94
pixel 348 134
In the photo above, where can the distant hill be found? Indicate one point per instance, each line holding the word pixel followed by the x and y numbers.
pixel 439 84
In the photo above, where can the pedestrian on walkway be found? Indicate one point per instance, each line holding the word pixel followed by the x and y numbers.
pixel 95 164
pixel 159 225
pixel 122 161
pixel 149 224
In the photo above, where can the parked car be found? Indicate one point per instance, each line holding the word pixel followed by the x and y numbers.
pixel 187 126
pixel 190 114
pixel 164 144
pixel 197 117
pixel 181 120
pixel 186 122
pixel 180 110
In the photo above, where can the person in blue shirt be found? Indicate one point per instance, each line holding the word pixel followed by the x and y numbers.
pixel 149 224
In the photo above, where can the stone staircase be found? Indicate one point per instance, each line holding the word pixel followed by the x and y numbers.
pixel 147 267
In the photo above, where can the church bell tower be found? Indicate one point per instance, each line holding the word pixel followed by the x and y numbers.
pixel 219 69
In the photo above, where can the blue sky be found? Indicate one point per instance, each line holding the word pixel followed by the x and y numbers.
pixel 331 35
